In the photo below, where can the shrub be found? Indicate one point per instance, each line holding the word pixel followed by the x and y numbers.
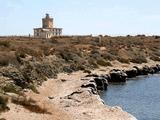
pixel 54 40
pixel 123 60
pixel 102 62
pixel 33 88
pixel 155 58
pixel 8 58
pixel 67 55
pixel 156 37
pixel 139 59
pixel 22 51
pixel 5 43
pixel 3 103
pixel 67 69
pixel 108 56
pixel 4 61
pixel 92 63
pixel 12 88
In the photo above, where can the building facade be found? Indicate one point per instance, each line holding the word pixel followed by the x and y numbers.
pixel 48 30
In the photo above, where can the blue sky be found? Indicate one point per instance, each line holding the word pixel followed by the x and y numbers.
pixel 111 17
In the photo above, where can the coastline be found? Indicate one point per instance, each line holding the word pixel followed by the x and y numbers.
pixel 66 99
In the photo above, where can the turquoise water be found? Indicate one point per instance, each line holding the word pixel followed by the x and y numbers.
pixel 139 96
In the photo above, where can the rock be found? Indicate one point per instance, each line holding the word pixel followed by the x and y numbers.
pixel 158 66
pixel 101 83
pixel 51 97
pixel 154 69
pixel 142 71
pixel 131 72
pixel 138 70
pixel 92 75
pixel 87 71
pixel 96 82
pixel 91 85
pixel 63 80
pixel 107 77
pixel 117 76
pixel 145 70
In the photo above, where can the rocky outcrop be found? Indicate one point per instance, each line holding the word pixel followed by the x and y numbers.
pixel 92 85
pixel 145 70
pixel 131 72
pixel 117 76
pixel 101 83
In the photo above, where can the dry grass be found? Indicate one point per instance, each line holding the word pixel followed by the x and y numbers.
pixel 30 105
pixel 125 49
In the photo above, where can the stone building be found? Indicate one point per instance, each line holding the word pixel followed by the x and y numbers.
pixel 48 30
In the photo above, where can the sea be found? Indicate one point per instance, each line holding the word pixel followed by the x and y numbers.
pixel 139 96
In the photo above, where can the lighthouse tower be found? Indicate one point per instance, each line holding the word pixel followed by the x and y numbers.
pixel 47 22
pixel 48 29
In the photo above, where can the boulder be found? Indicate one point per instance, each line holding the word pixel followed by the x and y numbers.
pixel 142 71
pixel 117 76
pixel 101 83
pixel 158 67
pixel 145 70
pixel 138 70
pixel 131 72
pixel 106 76
pixel 91 85
pixel 154 69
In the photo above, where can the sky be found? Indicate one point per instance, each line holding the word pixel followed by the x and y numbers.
pixel 82 17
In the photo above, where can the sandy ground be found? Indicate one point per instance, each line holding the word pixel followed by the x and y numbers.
pixel 66 100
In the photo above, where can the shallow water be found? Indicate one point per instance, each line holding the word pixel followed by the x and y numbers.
pixel 139 96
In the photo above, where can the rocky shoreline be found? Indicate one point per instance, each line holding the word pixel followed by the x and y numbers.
pixel 100 82
pixel 75 96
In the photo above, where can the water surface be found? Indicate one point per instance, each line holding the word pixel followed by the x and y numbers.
pixel 139 96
